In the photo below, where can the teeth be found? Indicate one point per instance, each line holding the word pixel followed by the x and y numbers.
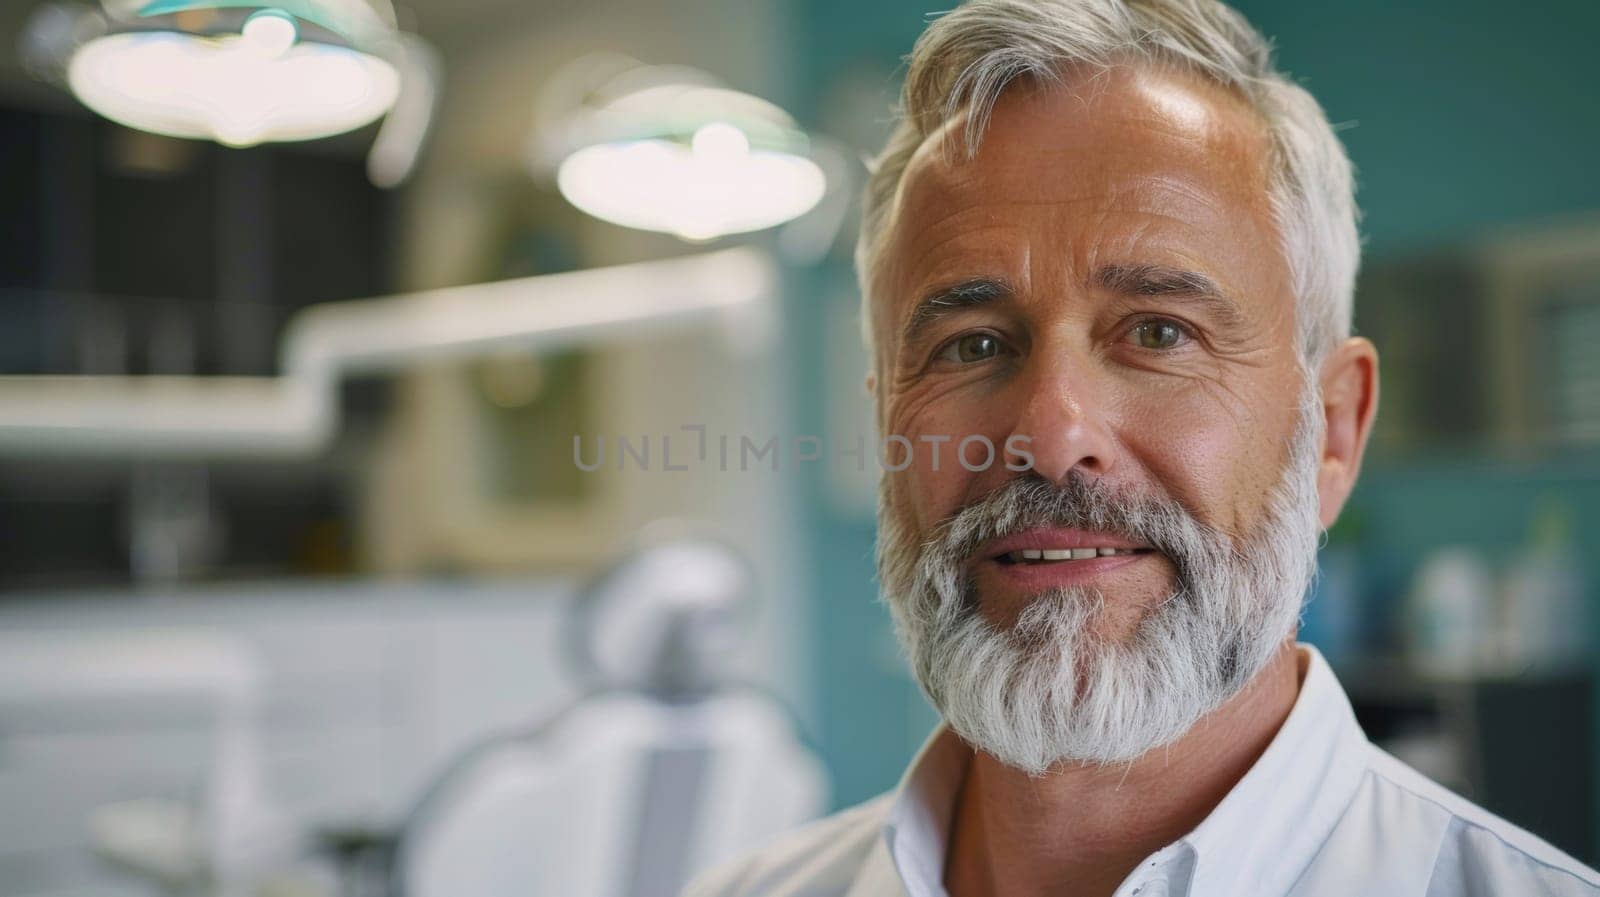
pixel 1064 554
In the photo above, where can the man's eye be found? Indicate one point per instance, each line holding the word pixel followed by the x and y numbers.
pixel 971 348
pixel 1158 334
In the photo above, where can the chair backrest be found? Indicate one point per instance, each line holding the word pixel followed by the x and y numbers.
pixel 622 796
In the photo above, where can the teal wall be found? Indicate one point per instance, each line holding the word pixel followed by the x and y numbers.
pixel 1461 116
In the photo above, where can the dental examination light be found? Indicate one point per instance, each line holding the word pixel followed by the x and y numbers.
pixel 670 149
pixel 244 72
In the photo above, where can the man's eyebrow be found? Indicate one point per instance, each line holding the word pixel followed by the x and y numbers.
pixel 1163 281
pixel 953 298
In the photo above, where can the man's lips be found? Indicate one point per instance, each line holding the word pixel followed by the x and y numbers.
pixel 1053 557
pixel 1056 540
pixel 1058 557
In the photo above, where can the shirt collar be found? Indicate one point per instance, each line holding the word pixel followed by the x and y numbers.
pixel 1259 838
pixel 918 827
pixel 1266 830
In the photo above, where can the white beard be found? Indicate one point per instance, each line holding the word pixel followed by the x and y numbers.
pixel 1049 689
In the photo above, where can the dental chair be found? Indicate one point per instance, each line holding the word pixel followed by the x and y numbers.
pixel 666 767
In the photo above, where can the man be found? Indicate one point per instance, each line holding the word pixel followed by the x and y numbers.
pixel 1110 237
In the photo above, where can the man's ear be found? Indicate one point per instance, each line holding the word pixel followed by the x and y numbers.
pixel 1349 404
pixel 872 385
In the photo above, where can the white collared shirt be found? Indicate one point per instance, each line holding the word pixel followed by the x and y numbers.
pixel 1322 813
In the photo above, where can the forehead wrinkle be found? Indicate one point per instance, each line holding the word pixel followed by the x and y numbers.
pixel 913 268
pixel 1143 242
pixel 911 281
pixel 906 229
pixel 1154 198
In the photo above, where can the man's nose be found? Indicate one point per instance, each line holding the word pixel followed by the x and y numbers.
pixel 1063 420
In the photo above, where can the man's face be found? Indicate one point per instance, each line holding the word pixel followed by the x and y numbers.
pixel 1104 279
pixel 1101 287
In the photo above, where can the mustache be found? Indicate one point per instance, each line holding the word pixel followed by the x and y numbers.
pixel 1079 502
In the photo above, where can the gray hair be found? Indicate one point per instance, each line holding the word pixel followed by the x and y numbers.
pixel 967 58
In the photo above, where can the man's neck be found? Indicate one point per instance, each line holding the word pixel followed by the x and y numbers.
pixel 1080 829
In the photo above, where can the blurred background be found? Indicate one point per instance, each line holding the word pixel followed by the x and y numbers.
pixel 306 589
